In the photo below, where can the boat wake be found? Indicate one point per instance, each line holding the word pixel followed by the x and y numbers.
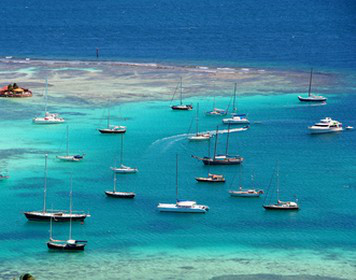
pixel 170 140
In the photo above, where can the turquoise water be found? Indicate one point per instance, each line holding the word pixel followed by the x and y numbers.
pixel 319 170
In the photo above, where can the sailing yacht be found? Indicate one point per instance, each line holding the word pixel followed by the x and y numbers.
pixel 311 97
pixel 67 156
pixel 112 129
pixel 182 206
pixel 123 169
pixel 3 176
pixel 246 192
pixel 181 106
pixel 236 118
pixel 326 125
pixel 216 111
pixel 199 136
pixel 117 194
pixel 66 245
pixel 280 205
pixel 57 215
pixel 48 118
pixel 222 159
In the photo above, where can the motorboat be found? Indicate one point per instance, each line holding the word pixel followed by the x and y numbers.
pixel 236 119
pixel 48 118
pixel 117 194
pixel 212 178
pixel 4 177
pixel 184 206
pixel 326 125
pixel 312 97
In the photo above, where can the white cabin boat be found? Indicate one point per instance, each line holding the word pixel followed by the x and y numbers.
pixel 185 206
pixel 326 125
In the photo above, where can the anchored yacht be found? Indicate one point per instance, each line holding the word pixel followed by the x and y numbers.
pixel 326 125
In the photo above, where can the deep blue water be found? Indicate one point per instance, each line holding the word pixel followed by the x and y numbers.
pixel 294 33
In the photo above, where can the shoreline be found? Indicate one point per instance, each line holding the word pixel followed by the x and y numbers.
pixel 98 82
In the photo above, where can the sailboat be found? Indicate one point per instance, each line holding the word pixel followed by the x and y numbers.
pixel 236 118
pixel 112 129
pixel 67 156
pixel 181 106
pixel 48 118
pixel 182 206
pixel 216 111
pixel 123 169
pixel 117 194
pixel 311 97
pixel 280 205
pixel 246 192
pixel 57 215
pixel 4 176
pixel 199 136
pixel 66 245
pixel 223 159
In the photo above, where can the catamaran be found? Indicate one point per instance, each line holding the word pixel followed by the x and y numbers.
pixel 112 129
pixel 48 118
pixel 199 136
pixel 182 206
pixel 117 194
pixel 223 159
pixel 181 106
pixel 66 245
pixel 56 215
pixel 67 156
pixel 326 125
pixel 280 205
pixel 123 169
pixel 311 97
pixel 236 118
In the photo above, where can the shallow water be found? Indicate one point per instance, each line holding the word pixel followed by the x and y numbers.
pixel 133 237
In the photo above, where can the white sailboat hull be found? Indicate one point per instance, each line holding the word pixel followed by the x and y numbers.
pixel 69 158
pixel 124 169
pixel 165 207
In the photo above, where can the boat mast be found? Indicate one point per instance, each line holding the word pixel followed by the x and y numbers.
pixel 46 95
pixel 227 139
pixel 310 81
pixel 240 179
pixel 70 208
pixel 181 90
pixel 216 141
pixel 50 229
pixel 197 119
pixel 115 182
pixel 67 140
pixel 108 117
pixel 234 109
pixel 277 183
pixel 176 177
pixel 122 149
pixel 45 186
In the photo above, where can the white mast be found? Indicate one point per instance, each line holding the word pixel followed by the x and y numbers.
pixel 45 185
pixel 70 208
